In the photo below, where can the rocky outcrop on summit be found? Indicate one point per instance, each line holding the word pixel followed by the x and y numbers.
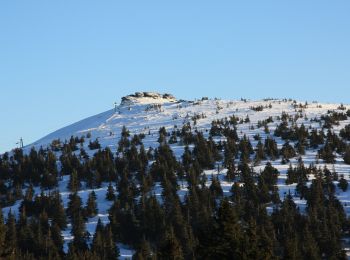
pixel 147 98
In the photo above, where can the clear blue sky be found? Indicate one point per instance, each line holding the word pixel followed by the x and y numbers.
pixel 61 61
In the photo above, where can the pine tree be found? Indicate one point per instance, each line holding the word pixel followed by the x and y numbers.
pixel 343 184
pixel 25 234
pixel 162 136
pixel 173 138
pixel 271 148
pixel 29 193
pixel 57 238
pixel 228 234
pixel 215 187
pixel 74 206
pixel 260 154
pixel 91 209
pixel 2 235
pixel 103 244
pixel 309 246
pixel 264 194
pixel 326 153
pixel 97 241
pixel 144 252
pixel 74 183
pixel 186 158
pixel 288 151
pixel 58 212
pixel 231 172
pixel 347 156
pixel 270 175
pixel 94 145
pixel 11 235
pixel 124 141
pixel 48 180
pixel 125 132
pixel 170 248
pixel 143 157
pixel 300 147
pixel 110 193
pixel 250 241
pixel 291 175
pixel 228 154
pixel 79 233
pixel 291 248
pixel 266 242
pixel 110 247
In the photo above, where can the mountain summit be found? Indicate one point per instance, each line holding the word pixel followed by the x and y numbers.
pixel 147 98
pixel 123 175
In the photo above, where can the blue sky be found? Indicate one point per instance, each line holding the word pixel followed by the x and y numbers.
pixel 61 61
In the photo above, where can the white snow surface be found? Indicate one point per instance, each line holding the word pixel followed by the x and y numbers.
pixel 142 116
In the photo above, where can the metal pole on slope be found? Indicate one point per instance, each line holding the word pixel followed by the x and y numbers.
pixel 115 107
pixel 20 142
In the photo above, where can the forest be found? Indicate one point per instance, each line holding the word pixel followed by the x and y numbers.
pixel 205 223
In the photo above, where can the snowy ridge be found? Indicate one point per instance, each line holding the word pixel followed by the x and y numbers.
pixel 147 98
pixel 146 112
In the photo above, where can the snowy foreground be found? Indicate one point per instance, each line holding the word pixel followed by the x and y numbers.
pixel 142 116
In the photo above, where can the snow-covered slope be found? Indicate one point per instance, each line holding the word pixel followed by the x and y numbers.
pixel 147 112
pixel 146 115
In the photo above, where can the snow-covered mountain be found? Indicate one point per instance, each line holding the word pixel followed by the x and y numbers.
pixel 146 112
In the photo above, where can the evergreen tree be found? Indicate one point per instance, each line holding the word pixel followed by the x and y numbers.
pixel 326 153
pixel 97 246
pixel 103 244
pixel 74 183
pixel 270 176
pixel 58 212
pixel 11 236
pixel 260 154
pixel 347 156
pixel 271 149
pixel 291 175
pixel 186 158
pixel 2 236
pixel 79 233
pixel 343 184
pixel 162 136
pixel 173 138
pixel 94 145
pixel 57 238
pixel 170 248
pixel 288 151
pixel 215 187
pixel 231 172
pixel 144 252
pixel 74 206
pixel 111 249
pixel 228 233
pixel 309 246
pixel 91 209
pixel 110 193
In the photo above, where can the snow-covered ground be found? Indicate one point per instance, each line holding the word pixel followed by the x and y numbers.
pixel 143 116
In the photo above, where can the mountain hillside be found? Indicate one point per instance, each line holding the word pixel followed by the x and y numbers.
pixel 295 138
